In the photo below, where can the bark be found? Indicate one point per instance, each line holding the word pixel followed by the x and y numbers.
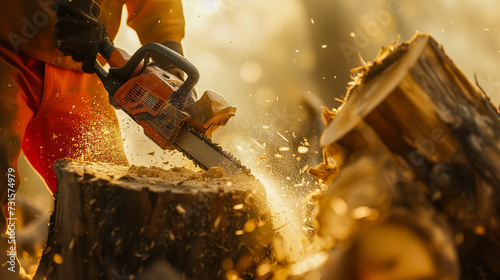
pixel 112 222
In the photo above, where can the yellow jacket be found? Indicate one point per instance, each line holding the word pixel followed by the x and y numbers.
pixel 27 25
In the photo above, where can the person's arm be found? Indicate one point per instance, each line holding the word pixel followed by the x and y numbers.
pixel 156 20
pixel 159 21
pixel 78 31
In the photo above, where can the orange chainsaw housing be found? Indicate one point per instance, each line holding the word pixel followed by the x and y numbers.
pixel 145 98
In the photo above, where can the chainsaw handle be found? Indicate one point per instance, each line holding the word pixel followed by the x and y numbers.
pixel 126 67
pixel 106 48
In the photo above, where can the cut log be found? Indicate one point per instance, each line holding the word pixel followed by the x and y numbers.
pixel 442 135
pixel 112 222
pixel 387 228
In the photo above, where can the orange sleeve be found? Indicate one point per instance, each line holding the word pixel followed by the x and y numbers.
pixel 156 20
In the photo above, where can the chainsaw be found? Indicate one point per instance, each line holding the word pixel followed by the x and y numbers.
pixel 163 105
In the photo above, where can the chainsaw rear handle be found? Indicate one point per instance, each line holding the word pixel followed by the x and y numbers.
pixel 116 77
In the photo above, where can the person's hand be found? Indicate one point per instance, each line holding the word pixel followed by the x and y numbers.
pixel 78 32
pixel 167 66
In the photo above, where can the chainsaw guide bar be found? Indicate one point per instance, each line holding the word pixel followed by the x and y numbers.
pixel 206 154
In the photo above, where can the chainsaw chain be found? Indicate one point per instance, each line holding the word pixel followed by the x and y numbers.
pixel 215 146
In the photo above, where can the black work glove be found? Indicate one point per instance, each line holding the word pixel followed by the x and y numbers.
pixel 167 66
pixel 78 32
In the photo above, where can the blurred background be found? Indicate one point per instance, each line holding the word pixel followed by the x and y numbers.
pixel 279 61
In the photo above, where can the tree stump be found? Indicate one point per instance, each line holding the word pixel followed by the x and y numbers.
pixel 111 222
pixel 438 136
